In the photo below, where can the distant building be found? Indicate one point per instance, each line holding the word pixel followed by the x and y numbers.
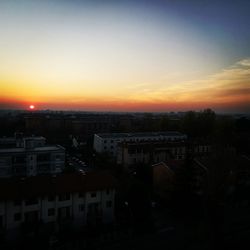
pixel 109 142
pixel 150 152
pixel 80 124
pixel 29 156
pixel 163 180
pixel 200 147
pixel 19 141
pixel 219 172
pixel 67 199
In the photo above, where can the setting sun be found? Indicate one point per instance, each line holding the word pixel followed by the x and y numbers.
pixel 31 106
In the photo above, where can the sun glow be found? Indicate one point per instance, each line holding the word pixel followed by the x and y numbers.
pixel 31 107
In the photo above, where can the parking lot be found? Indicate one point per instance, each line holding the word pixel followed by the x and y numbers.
pixel 78 164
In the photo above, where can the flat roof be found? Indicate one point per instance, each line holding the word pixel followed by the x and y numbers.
pixel 140 134
pixel 149 144
pixel 34 186
pixel 36 149
pixel 3 139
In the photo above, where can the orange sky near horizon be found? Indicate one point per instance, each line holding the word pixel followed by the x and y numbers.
pixel 237 104
pixel 228 89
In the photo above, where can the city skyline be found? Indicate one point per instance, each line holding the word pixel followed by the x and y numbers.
pixel 125 55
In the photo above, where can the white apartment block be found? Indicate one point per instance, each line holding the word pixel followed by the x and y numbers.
pixel 109 142
pixel 19 141
pixel 73 198
pixel 29 156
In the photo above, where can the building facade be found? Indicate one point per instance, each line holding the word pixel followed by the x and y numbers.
pixel 29 156
pixel 109 142
pixel 150 152
pixel 163 180
pixel 34 201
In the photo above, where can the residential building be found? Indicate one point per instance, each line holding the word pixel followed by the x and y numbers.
pixel 109 142
pixel 150 152
pixel 219 172
pixel 19 141
pixel 29 156
pixel 200 147
pixel 75 199
pixel 163 180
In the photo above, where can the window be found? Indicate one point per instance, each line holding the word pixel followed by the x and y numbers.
pixel 81 207
pixel 58 157
pixel 21 159
pixel 81 195
pixel 32 201
pixel 17 217
pixel 93 195
pixel 109 204
pixel 93 208
pixel 17 202
pixel 43 157
pixel 131 151
pixel 43 167
pixel 107 191
pixel 64 197
pixel 1 221
pixel 51 198
pixel 51 211
pixel 63 213
pixel 31 217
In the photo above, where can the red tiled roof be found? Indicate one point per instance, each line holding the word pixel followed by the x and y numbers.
pixel 18 188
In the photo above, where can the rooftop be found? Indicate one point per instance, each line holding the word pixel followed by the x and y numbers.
pixel 141 134
pixel 36 149
pixel 151 144
pixel 23 188
pixel 13 139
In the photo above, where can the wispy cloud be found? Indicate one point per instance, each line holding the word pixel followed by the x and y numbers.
pixel 231 85
pixel 244 62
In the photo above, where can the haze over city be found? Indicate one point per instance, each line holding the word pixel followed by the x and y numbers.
pixel 125 55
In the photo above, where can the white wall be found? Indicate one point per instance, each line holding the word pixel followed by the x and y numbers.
pixel 111 142
pixel 8 209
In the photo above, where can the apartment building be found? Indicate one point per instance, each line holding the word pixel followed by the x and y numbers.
pixel 77 199
pixel 29 156
pixel 109 142
pixel 150 152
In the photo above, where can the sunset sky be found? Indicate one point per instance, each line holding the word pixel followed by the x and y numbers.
pixel 125 55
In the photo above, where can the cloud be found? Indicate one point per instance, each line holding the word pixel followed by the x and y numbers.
pixel 244 62
pixel 230 86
